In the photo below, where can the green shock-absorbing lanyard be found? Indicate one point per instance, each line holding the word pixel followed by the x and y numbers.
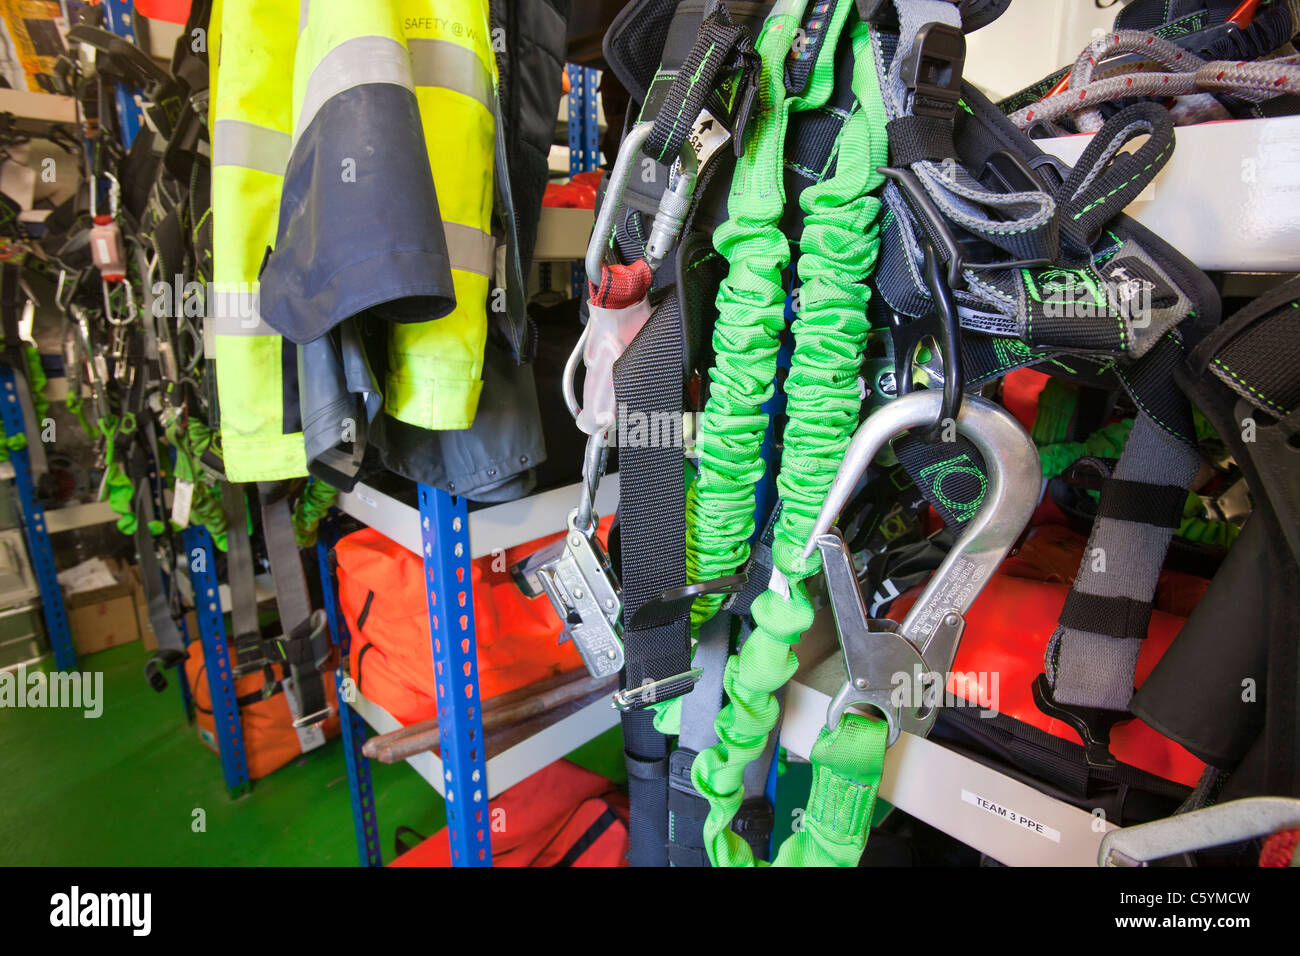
pixel 839 246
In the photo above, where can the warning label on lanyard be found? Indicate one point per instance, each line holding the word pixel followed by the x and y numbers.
pixel 1014 817
pixel 707 136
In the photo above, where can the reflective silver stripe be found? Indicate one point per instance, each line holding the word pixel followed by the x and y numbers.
pixel 237 143
pixel 450 66
pixel 235 312
pixel 470 249
pixel 304 9
pixel 353 63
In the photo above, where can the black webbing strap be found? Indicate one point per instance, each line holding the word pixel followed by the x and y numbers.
pixel 247 633
pixel 170 644
pixel 1160 505
pixel 598 828
pixel 652 523
pixel 1113 616
pixel 1254 353
pixel 720 47
pixel 1246 390
pixel 1105 179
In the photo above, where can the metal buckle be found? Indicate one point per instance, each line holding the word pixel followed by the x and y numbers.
pixel 652 692
pixel 877 654
pixel 576 575
pixel 312 719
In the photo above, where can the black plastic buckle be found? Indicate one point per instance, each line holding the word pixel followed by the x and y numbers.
pixel 1092 724
pixel 932 222
pixel 940 325
pixel 747 100
pixel 680 762
pixel 160 662
pixel 932 69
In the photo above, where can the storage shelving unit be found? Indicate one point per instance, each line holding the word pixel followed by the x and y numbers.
pixel 35 525
pixel 447 538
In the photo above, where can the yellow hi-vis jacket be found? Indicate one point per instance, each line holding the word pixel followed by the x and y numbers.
pixel 387 197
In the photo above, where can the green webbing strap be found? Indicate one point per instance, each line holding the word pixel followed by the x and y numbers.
pixel 847 763
pixel 312 506
pixel 839 246
pixel 118 487
pixel 36 378
pixel 190 443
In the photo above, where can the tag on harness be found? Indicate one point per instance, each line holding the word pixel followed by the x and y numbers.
pixel 311 736
pixel 707 137
pixel 182 498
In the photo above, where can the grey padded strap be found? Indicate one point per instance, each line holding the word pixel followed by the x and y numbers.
pixel 240 570
pixel 291 596
pixel 1121 567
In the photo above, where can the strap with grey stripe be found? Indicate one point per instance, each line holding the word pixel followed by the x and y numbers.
pixel 1092 656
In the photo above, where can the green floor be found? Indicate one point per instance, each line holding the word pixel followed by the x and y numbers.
pixel 123 789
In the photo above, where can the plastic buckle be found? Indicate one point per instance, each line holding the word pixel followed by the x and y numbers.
pixel 940 325
pixel 679 771
pixel 1092 724
pixel 932 69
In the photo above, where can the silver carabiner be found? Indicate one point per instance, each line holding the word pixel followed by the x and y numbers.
pixel 669 219
pixel 673 204
pixel 131 310
pixel 878 653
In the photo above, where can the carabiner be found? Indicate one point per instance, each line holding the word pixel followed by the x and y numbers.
pixel 621 324
pixel 673 205
pixel 877 654
pixel 131 310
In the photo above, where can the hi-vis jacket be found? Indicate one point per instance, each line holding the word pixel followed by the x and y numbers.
pixel 385 140
pixel 257 372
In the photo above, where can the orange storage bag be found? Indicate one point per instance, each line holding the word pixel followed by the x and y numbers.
pixel 270 741
pixel 382 593
pixel 562 815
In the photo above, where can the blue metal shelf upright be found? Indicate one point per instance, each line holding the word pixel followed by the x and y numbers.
pixel 199 557
pixel 445 551
pixel 38 538
pixel 584 139
pixel 353 727
pixel 117 19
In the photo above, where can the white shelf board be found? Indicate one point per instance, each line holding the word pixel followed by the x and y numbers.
pixel 1229 198
pixel 46 107
pixel 490 529
pixel 516 763
pixel 562 234
pixel 72 517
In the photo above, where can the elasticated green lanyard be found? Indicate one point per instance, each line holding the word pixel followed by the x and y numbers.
pixel 839 246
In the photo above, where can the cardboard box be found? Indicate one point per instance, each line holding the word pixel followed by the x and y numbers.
pixel 147 635
pixel 103 617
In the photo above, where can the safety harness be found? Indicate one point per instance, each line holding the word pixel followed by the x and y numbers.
pixel 990 252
